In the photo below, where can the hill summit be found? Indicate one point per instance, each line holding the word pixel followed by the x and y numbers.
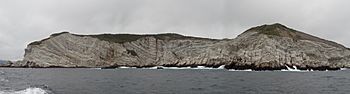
pixel 278 29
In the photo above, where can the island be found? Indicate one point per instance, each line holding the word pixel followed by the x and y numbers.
pixel 265 47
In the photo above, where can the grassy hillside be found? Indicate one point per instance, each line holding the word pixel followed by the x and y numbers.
pixel 121 38
pixel 283 31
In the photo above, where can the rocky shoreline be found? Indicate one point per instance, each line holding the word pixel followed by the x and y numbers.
pixel 253 68
pixel 227 67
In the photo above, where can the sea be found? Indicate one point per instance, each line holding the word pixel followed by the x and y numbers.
pixel 170 81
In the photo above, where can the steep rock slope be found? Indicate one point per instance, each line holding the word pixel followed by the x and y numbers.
pixel 70 50
pixel 275 46
pixel 264 47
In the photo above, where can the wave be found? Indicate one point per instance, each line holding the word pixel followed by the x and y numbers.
pixel 123 67
pixel 240 70
pixel 2 77
pixel 291 69
pixel 36 89
pixel 31 90
pixel 344 69
pixel 222 67
pixel 295 69
pixel 198 67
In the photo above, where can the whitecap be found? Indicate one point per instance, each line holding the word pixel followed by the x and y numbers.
pixel 342 69
pixel 177 68
pixel 162 67
pixel 3 79
pixel 198 67
pixel 31 90
pixel 155 67
pixel 2 72
pixel 203 67
pixel 97 68
pixel 221 67
pixel 240 70
pixel 124 67
pixel 291 69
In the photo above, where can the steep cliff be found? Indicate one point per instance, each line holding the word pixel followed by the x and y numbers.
pixel 265 47
pixel 275 46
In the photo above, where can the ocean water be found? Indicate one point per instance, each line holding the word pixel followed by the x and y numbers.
pixel 168 81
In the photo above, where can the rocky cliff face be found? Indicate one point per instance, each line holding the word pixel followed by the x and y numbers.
pixel 265 47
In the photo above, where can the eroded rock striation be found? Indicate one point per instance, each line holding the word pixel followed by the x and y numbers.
pixel 266 47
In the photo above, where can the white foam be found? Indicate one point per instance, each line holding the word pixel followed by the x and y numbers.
pixel 221 67
pixel 26 91
pixel 203 67
pixel 291 69
pixel 124 67
pixel 177 68
pixel 151 68
pixel 198 67
pixel 1 72
pixel 162 67
pixel 3 79
pixel 240 70
pixel 155 67
pixel 344 69
pixel 97 68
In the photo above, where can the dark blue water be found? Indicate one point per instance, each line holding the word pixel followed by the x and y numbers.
pixel 146 81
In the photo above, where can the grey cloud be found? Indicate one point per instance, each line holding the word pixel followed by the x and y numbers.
pixel 22 22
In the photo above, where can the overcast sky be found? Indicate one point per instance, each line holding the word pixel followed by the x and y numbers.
pixel 25 21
